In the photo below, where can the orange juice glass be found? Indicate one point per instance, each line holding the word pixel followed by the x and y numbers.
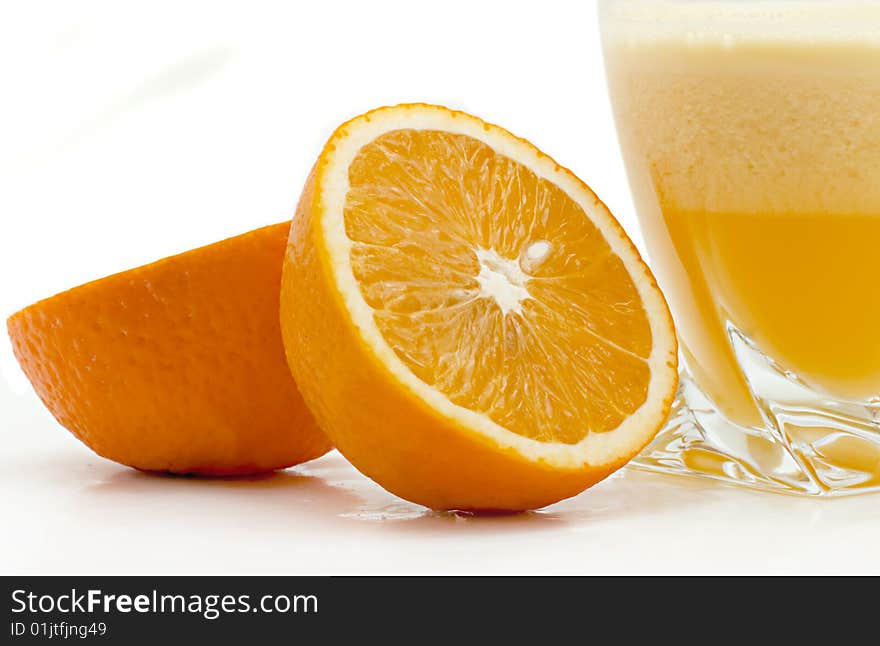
pixel 751 135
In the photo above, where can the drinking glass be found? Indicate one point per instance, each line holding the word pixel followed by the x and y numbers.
pixel 751 136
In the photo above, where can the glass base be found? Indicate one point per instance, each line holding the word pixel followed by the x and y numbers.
pixel 809 445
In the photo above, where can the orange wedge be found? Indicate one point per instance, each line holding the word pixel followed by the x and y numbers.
pixel 469 324
pixel 176 366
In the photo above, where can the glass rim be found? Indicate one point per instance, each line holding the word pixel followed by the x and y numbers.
pixel 841 20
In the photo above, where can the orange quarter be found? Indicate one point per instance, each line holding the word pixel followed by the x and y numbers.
pixel 175 366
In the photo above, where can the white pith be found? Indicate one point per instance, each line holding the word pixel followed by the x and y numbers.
pixel 500 282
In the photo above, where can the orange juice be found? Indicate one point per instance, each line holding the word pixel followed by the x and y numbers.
pixel 754 160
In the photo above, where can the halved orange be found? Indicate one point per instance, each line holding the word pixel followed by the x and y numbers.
pixel 176 366
pixel 470 325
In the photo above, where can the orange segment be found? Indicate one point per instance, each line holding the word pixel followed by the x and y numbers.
pixel 524 318
pixel 175 366
pixel 470 325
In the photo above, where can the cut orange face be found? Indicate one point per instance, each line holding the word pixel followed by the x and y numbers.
pixel 468 322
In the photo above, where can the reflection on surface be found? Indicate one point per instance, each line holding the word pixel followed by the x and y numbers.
pixel 330 491
pixel 75 512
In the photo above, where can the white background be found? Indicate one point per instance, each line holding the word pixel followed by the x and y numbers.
pixel 130 131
